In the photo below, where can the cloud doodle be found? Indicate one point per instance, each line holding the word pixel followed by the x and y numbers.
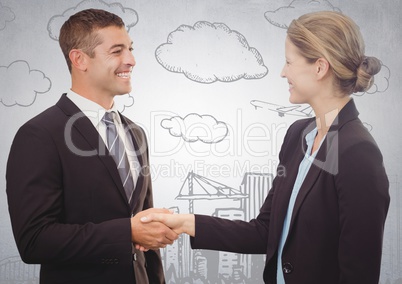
pixel 6 15
pixel 195 127
pixel 129 16
pixel 21 92
pixel 210 52
pixel 283 16
pixel 381 82
pixel 368 126
pixel 124 101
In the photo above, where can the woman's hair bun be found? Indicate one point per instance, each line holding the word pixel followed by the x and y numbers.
pixel 365 73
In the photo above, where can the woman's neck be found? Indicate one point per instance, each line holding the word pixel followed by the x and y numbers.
pixel 326 112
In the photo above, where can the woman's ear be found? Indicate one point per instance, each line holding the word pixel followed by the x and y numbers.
pixel 78 59
pixel 322 67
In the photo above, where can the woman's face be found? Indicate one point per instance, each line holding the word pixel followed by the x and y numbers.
pixel 300 75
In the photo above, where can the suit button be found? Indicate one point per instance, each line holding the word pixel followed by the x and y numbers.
pixel 287 268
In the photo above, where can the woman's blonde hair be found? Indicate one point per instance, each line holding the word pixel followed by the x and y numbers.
pixel 337 38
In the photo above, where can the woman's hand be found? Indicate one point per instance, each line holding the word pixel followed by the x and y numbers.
pixel 179 223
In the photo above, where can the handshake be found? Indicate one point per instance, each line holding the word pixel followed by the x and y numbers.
pixel 156 228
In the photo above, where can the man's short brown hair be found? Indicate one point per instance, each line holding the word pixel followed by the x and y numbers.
pixel 80 31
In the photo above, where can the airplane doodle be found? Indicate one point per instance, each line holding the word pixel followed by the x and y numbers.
pixel 296 110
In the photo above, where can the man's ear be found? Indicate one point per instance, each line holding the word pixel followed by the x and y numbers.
pixel 78 59
pixel 322 67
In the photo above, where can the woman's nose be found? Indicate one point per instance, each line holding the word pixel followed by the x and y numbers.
pixel 283 74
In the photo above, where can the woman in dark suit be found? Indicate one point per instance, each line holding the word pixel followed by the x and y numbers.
pixel 322 222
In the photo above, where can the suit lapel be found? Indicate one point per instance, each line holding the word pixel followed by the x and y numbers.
pixel 83 125
pixel 293 155
pixel 307 185
pixel 327 156
pixel 285 190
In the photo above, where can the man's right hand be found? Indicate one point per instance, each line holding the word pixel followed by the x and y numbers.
pixel 153 235
pixel 179 223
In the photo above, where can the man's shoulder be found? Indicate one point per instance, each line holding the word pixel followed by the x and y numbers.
pixel 52 116
pixel 48 116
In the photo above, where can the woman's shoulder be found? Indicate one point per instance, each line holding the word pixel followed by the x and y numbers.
pixel 355 132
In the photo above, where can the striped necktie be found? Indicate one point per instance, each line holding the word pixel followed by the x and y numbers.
pixel 118 152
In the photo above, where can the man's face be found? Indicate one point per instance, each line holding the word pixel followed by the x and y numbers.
pixel 109 71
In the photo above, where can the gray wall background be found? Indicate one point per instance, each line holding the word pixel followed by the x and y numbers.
pixel 207 90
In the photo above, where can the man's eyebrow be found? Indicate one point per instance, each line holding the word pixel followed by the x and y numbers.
pixel 116 45
pixel 120 45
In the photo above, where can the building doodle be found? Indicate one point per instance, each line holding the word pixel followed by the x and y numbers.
pixel 184 265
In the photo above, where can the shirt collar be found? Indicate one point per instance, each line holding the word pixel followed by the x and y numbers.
pixel 310 140
pixel 92 110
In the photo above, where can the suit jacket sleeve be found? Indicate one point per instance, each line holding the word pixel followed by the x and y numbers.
pixel 35 198
pixel 234 235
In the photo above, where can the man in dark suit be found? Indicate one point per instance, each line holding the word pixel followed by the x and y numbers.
pixel 67 201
